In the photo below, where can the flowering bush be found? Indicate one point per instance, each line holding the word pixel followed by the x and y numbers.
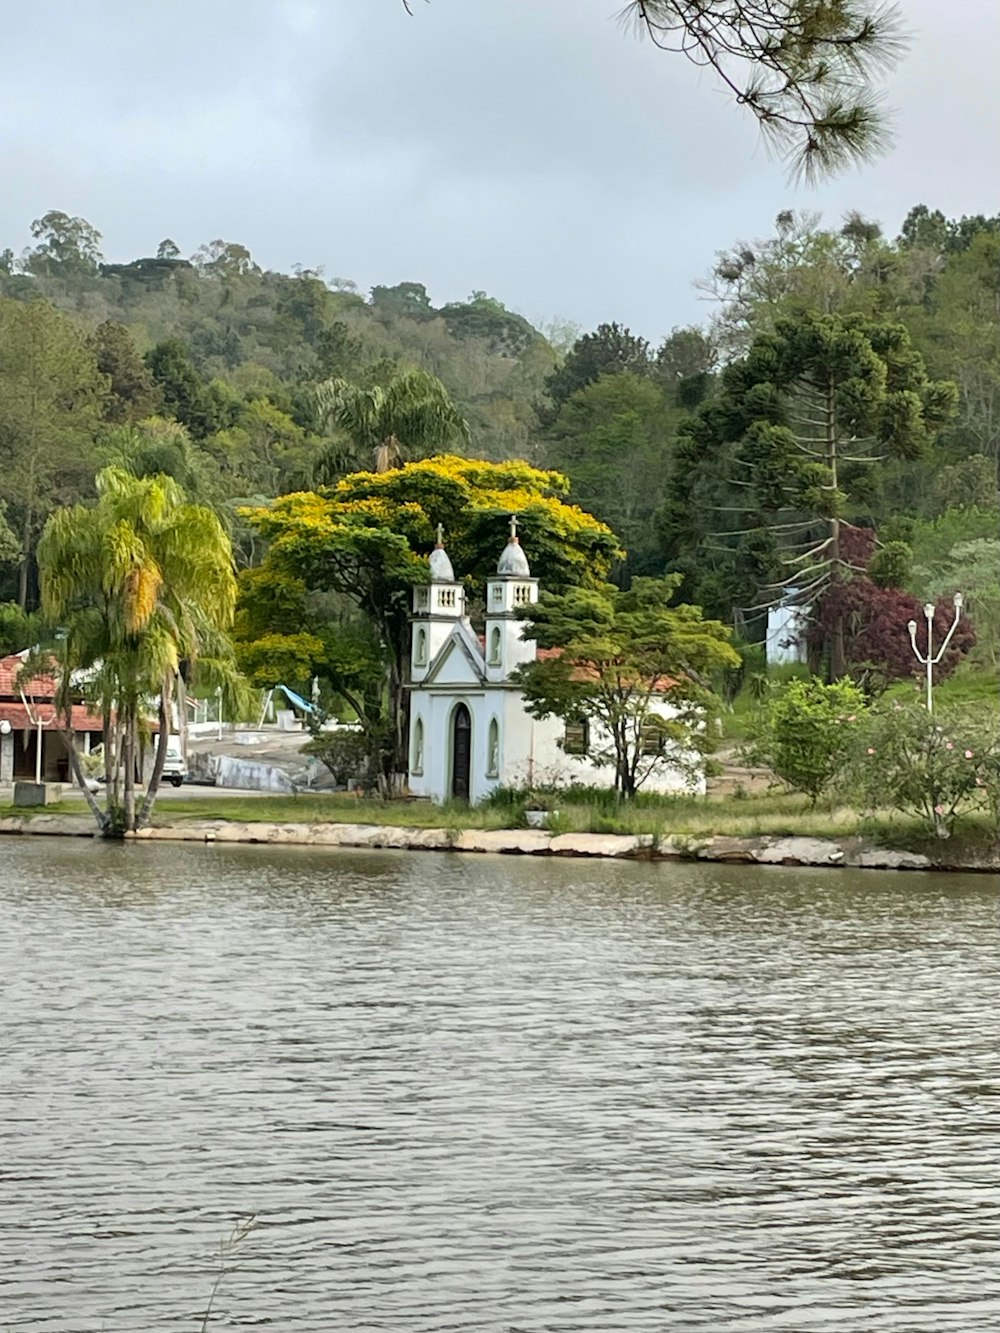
pixel 935 766
pixel 808 733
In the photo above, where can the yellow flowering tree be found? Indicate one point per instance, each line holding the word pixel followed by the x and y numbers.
pixel 364 543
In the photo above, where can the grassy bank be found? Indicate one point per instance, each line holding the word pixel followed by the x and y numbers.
pixel 773 814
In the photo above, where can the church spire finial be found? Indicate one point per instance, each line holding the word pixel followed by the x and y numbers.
pixel 513 562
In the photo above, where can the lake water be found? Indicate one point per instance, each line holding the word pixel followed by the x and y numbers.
pixel 503 1094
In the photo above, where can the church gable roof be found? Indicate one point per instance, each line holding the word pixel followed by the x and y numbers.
pixel 459 660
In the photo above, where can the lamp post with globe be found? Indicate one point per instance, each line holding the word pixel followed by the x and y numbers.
pixel 930 659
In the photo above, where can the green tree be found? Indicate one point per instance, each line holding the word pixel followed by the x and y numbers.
pixel 810 405
pixel 51 400
pixel 69 247
pixel 973 569
pixel 506 334
pixel 18 629
pixel 611 349
pixel 937 766
pixel 612 439
pixel 618 654
pixel 132 391
pixel 410 416
pixel 137 582
pixel 224 259
pixel 157 447
pixel 264 452
pixel 364 542
pixel 186 396
pixel 407 300
pixel 808 733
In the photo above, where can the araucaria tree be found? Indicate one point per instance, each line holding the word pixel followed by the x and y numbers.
pixel 618 656
pixel 136 583
pixel 796 423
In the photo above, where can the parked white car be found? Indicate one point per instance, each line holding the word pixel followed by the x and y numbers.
pixel 175 768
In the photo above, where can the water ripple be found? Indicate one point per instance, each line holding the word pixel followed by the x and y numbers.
pixel 488 1094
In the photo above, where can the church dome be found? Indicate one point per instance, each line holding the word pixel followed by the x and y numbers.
pixel 441 568
pixel 513 562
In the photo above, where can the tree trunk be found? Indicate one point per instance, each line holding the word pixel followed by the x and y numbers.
pixel 182 721
pixel 162 739
pixel 22 583
pixel 128 760
pixel 69 740
pixel 838 657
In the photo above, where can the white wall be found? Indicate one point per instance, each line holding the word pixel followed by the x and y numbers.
pixel 785 640
pixel 530 750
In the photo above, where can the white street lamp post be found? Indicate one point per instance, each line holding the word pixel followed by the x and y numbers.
pixel 930 659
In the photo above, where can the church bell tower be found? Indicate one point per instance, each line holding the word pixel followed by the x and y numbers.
pixel 437 605
pixel 509 595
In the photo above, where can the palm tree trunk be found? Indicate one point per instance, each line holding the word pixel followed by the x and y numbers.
pixel 159 758
pixel 128 757
pixel 69 740
pixel 182 720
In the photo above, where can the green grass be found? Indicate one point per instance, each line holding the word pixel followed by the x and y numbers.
pixel 970 687
pixel 332 808
pixel 774 814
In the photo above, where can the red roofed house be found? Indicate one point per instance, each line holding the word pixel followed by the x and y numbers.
pixel 31 746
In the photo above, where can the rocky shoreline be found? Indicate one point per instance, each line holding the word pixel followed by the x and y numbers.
pixel 854 853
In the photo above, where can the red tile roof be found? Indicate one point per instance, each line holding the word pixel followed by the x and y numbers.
pixel 39 687
pixel 25 719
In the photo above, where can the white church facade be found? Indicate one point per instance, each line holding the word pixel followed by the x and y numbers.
pixel 469 729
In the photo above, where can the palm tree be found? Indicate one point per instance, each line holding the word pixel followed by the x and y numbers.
pixel 410 416
pixel 137 582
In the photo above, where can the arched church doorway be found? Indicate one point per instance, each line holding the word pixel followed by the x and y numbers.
pixel 461 752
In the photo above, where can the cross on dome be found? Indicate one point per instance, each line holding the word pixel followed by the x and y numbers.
pixel 513 562
pixel 441 566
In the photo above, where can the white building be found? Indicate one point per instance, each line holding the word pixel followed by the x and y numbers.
pixel 469 729
pixel 787 626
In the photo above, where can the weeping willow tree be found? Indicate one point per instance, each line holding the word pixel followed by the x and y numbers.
pixel 387 425
pixel 136 583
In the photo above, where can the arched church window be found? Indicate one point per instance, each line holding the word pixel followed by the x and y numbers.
pixel 420 655
pixel 495 646
pixel 417 758
pixel 493 753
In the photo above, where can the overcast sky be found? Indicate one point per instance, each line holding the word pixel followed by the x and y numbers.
pixel 530 148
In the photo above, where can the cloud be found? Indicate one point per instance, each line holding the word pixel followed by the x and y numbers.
pixel 533 150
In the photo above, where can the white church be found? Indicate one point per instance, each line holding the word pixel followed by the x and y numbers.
pixel 469 729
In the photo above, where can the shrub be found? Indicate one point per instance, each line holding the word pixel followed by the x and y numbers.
pixel 346 753
pixel 807 730
pixel 935 766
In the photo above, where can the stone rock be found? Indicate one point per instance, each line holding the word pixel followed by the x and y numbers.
pixel 726 849
pixel 882 858
pixel 65 826
pixel 525 841
pixel 798 851
pixel 594 844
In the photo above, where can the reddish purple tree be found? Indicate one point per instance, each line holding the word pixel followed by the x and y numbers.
pixel 876 637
